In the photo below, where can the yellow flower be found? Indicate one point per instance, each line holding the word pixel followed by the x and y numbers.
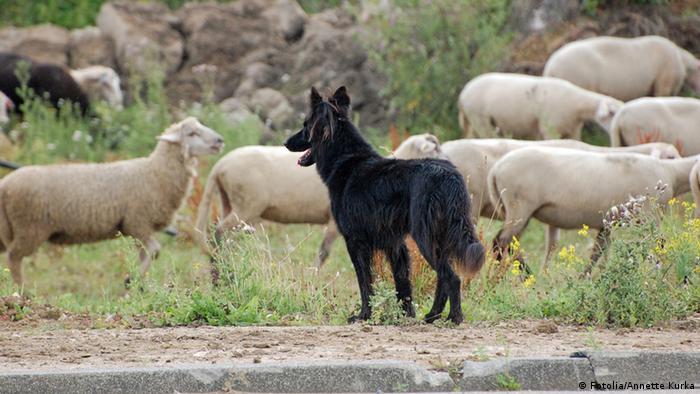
pixel 583 231
pixel 529 281
pixel 196 266
pixel 697 269
pixel 672 201
pixel 516 267
pixel 6 269
pixel 514 245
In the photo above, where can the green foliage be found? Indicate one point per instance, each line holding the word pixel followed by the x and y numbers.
pixel 592 6
pixel 386 308
pixel 430 50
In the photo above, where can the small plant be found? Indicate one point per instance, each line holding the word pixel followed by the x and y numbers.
pixel 507 382
pixel 386 308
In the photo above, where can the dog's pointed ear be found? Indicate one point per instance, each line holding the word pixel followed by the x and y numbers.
pixel 314 97
pixel 342 100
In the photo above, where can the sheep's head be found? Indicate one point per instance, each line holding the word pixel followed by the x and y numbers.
pixel 605 112
pixel 420 146
pixel 6 106
pixel 195 138
pixel 665 151
pixel 101 83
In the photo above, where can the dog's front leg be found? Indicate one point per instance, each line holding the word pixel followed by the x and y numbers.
pixel 361 256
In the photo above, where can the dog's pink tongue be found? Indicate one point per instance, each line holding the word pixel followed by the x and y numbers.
pixel 304 156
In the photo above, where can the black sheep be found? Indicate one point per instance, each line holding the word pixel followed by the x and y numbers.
pixel 45 79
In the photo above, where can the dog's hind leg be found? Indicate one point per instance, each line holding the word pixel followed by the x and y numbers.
pixel 400 262
pixel 361 256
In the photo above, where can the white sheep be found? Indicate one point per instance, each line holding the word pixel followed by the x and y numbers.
pixel 567 188
pixel 675 120
pixel 100 83
pixel 6 106
pixel 256 183
pixel 80 203
pixel 529 107
pixel 626 68
pixel 474 158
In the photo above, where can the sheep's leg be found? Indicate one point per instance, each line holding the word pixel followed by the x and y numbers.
pixel 246 221
pixel 601 244
pixel 553 234
pixel 511 228
pixel 15 263
pixel 149 251
pixel 329 237
pixel 400 262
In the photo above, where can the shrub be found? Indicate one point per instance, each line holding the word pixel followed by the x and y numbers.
pixel 430 49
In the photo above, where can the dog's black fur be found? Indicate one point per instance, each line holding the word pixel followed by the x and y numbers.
pixel 377 202
pixel 45 79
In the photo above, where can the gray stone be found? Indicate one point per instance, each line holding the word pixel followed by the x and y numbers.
pixel 143 34
pixel 646 367
pixel 89 47
pixel 283 378
pixel 44 43
pixel 529 373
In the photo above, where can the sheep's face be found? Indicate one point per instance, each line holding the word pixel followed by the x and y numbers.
pixel 6 106
pixel 605 113
pixel 102 83
pixel 667 152
pixel 419 147
pixel 195 138
pixel 319 125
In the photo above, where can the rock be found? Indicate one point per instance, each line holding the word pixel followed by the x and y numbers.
pixel 235 110
pixel 288 18
pixel 645 368
pixel 272 107
pixel 89 47
pixel 143 33
pixel 256 76
pixel 538 15
pixel 44 43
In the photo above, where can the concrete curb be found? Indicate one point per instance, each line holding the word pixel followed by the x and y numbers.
pixel 332 377
pixel 584 370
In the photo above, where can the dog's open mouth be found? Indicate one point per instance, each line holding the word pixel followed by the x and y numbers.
pixel 306 159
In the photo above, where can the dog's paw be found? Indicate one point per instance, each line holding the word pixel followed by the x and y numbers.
pixel 457 319
pixel 362 316
pixel 431 317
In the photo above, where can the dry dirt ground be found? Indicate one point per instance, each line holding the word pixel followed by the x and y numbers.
pixel 48 345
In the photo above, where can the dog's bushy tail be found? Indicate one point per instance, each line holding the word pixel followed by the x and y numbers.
pixel 451 228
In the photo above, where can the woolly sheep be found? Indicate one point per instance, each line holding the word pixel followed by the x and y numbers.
pixel 100 83
pixel 256 183
pixel 675 120
pixel 626 68
pixel 474 158
pixel 6 106
pixel 80 203
pixel 567 188
pixel 60 83
pixel 529 107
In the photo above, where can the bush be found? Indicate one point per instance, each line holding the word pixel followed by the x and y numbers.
pixel 430 50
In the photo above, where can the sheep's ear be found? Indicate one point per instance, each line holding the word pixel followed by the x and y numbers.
pixel 170 137
pixel 314 97
pixel 341 100
pixel 9 104
pixel 603 110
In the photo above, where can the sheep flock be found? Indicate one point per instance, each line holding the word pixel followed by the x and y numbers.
pixel 521 157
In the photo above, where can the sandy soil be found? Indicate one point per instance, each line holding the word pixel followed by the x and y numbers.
pixel 45 345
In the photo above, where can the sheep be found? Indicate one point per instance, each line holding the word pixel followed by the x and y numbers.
pixel 626 68
pixel 6 106
pixel 567 188
pixel 59 83
pixel 256 183
pixel 529 107
pixel 675 120
pixel 474 158
pixel 81 203
pixel 100 83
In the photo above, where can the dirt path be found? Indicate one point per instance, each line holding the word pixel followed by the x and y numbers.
pixel 43 347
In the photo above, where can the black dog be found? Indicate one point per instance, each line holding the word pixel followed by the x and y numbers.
pixel 377 202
